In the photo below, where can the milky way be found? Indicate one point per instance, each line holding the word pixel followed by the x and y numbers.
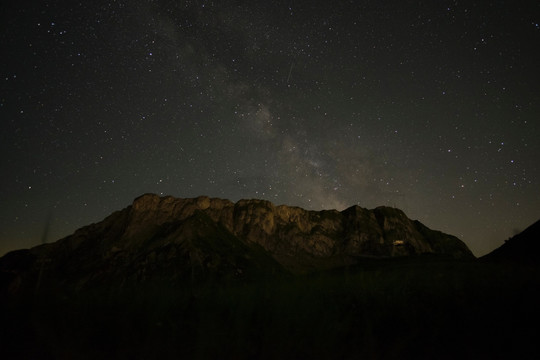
pixel 432 108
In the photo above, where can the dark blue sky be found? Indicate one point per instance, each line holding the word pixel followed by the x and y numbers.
pixel 431 107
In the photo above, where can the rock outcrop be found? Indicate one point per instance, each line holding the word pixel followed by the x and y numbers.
pixel 199 237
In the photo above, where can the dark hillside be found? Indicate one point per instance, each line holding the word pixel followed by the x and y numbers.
pixel 523 248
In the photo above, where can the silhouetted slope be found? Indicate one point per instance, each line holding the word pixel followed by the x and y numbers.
pixel 524 247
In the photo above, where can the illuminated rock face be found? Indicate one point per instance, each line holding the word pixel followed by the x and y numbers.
pixel 285 230
pixel 188 238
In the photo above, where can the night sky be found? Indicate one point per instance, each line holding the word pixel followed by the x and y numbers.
pixel 429 106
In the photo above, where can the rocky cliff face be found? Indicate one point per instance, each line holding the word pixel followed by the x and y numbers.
pixel 289 230
pixel 170 237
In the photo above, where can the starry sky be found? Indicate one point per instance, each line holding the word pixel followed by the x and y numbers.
pixel 429 106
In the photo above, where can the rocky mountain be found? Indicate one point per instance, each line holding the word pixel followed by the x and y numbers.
pixel 523 247
pixel 167 237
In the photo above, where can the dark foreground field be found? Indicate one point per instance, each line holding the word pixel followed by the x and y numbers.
pixel 394 309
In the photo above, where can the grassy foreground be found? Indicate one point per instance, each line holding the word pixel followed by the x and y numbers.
pixel 394 309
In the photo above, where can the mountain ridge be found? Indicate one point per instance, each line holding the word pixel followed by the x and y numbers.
pixel 263 222
pixel 194 238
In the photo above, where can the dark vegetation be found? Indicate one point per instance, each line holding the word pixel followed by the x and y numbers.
pixel 403 308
